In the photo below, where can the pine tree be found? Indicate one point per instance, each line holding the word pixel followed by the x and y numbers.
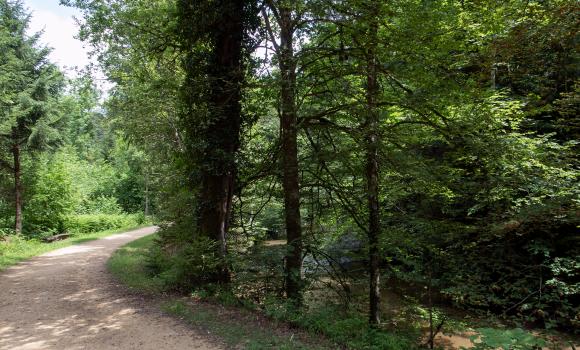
pixel 29 90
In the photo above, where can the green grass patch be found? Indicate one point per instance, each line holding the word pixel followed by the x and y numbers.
pixel 235 333
pixel 343 326
pixel 17 249
pixel 129 265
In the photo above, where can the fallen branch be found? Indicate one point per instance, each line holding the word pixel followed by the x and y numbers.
pixel 55 238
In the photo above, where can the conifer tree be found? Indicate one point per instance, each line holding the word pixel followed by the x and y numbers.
pixel 29 90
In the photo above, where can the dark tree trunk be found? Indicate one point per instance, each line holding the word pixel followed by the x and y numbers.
pixel 372 174
pixel 17 190
pixel 290 184
pixel 215 160
pixel 215 201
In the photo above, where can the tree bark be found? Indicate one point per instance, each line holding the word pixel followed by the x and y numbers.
pixel 289 132
pixel 218 169
pixel 372 141
pixel 17 190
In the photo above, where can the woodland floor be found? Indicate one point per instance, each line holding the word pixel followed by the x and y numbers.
pixel 66 299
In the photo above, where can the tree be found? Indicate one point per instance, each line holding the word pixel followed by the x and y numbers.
pixel 214 37
pixel 30 87
pixel 372 143
pixel 286 18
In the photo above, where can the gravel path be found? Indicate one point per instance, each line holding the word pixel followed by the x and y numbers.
pixel 66 299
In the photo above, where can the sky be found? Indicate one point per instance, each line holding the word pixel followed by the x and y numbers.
pixel 60 30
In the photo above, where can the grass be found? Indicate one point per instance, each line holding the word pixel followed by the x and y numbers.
pixel 18 249
pixel 237 328
pixel 237 331
pixel 129 262
pixel 342 326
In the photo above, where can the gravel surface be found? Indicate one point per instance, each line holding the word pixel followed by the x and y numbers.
pixel 66 299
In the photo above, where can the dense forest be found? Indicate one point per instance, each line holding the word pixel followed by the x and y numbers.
pixel 64 165
pixel 315 157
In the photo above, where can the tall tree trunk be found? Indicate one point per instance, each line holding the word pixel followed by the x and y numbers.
pixel 221 136
pixel 289 131
pixel 372 141
pixel 17 190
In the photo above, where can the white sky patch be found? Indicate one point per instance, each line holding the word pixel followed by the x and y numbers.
pixel 59 29
pixel 59 33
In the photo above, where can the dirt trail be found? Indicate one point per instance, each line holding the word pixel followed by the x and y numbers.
pixel 65 299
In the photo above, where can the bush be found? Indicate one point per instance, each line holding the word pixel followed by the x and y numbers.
pixel 185 267
pixel 88 223
pixel 102 205
pixel 182 261
pixel 52 198
pixel 6 232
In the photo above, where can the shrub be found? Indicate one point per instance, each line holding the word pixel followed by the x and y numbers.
pixel 6 232
pixel 183 261
pixel 52 198
pixel 88 223
pixel 102 205
pixel 189 265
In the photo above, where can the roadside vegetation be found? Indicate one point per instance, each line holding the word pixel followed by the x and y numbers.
pixel 129 265
pixel 221 318
pixel 273 324
pixel 66 172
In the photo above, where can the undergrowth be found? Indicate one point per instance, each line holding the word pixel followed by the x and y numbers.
pixel 235 320
pixel 329 324
pixel 131 265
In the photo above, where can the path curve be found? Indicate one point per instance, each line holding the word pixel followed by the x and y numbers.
pixel 66 299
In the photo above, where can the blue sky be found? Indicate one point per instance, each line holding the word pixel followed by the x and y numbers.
pixel 59 31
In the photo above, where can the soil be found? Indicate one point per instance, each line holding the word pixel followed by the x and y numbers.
pixel 66 299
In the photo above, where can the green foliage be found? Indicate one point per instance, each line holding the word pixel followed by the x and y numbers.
pixel 87 223
pixel 494 210
pixel 69 193
pixel 129 265
pixel 339 325
pixel 505 339
pixel 103 205
pixel 181 262
pixel 479 175
pixel 30 85
pixel 52 199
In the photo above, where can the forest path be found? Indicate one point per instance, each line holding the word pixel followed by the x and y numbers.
pixel 66 299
